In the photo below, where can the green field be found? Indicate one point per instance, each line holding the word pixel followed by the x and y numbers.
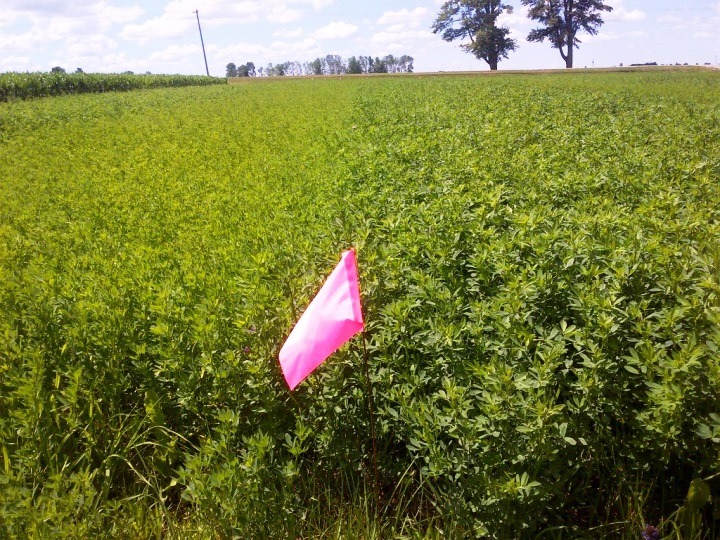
pixel 540 271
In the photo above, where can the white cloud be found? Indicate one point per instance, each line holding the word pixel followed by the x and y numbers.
pixel 7 18
pixel 178 16
pixel 297 49
pixel 602 36
pixel 698 24
pixel 406 17
pixel 26 42
pixel 282 15
pixel 395 28
pixel 703 35
pixel 261 55
pixel 77 45
pixel 48 25
pixel 519 17
pixel 400 37
pixel 159 27
pixel 176 54
pixel 118 15
pixel 316 4
pixel 620 14
pixel 613 36
pixel 50 7
pixel 336 30
pixel 237 52
pixel 290 34
pixel 9 63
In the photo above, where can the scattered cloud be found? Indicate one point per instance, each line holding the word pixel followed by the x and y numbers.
pixel 25 42
pixel 110 15
pixel 159 27
pixel 613 36
pixel 404 30
pixel 289 34
pixel 336 30
pixel 405 17
pixel 518 17
pixel 84 45
pixel 400 37
pixel 602 36
pixel 7 63
pixel 621 14
pixel 176 54
pixel 281 14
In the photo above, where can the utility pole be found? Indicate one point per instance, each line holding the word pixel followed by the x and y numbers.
pixel 202 42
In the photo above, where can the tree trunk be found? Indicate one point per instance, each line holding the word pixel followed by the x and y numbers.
pixel 569 25
pixel 492 61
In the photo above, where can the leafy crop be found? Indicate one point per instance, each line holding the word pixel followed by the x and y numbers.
pixel 539 262
pixel 37 85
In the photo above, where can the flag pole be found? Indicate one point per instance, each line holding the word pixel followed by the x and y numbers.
pixel 371 407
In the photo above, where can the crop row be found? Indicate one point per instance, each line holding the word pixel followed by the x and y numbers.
pixel 37 85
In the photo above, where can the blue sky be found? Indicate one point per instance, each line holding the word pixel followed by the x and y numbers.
pixel 162 36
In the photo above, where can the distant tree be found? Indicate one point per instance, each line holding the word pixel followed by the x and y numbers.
pixel 317 67
pixel 395 64
pixel 231 70
pixel 390 63
pixel 57 69
pixel 250 69
pixel 364 62
pixel 353 66
pixel 242 71
pixel 297 68
pixel 334 65
pixel 406 63
pixel 378 66
pixel 561 20
pixel 79 70
pixel 477 21
pixel 278 70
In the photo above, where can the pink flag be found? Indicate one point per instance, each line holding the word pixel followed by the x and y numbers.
pixel 331 319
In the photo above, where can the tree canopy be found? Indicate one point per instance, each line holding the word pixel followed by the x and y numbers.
pixel 561 20
pixel 476 20
pixel 243 70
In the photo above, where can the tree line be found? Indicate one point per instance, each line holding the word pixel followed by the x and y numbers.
pixel 330 64
pixel 560 21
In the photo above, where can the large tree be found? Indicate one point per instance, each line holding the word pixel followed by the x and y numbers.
pixel 477 21
pixel 561 21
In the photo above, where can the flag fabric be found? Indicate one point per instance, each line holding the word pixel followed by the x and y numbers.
pixel 331 319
